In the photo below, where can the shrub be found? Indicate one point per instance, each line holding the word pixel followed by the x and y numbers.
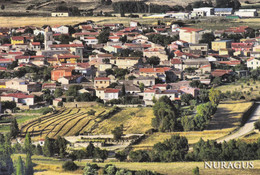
pixel 46 110
pixel 69 166
pixel 257 125
pixel 196 171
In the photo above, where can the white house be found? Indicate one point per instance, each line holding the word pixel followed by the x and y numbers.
pixel 246 13
pixel 133 23
pixel 203 11
pixel 21 98
pixel 253 63
pixel 91 41
pixel 110 94
pixel 60 14
pixel 60 29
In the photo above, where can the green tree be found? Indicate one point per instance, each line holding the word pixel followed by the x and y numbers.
pixel 99 153
pixel 217 81
pixel 6 163
pixel 121 155
pixel 20 167
pixel 123 92
pixel 214 96
pixel 29 165
pixel 154 60
pixel 48 147
pixel 195 83
pixel 69 166
pixel 28 144
pixel 165 115
pixel 141 87
pixel 186 98
pixel 90 169
pixel 257 125
pixel 73 90
pixel 204 95
pixel 173 149
pixel 103 36
pixel 14 129
pixel 58 92
pixel 90 150
pixel 61 146
pixel 207 38
pixel 196 171
pixel 118 132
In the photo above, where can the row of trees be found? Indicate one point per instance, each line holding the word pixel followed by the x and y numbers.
pixel 173 149
pixel 110 169
pixel 176 149
pixel 91 152
pixel 229 151
pixel 139 7
pixel 235 4
pixel 6 163
pixel 162 39
pixel 39 73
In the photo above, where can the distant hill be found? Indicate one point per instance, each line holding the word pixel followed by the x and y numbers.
pixel 46 6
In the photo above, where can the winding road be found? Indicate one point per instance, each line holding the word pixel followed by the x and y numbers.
pixel 247 128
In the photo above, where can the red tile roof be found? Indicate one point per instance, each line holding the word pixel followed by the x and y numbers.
pixel 66 45
pixel 205 66
pixel 111 91
pixel 176 61
pixel 151 70
pixel 150 91
pixel 189 30
pixel 220 72
pixel 18 95
pixel 36 43
pixel 233 62
pixel 18 38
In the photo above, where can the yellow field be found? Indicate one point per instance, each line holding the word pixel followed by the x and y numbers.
pixel 192 137
pixel 135 121
pixel 52 166
pixel 226 119
pixel 252 137
pixel 72 121
pixel 185 168
pixel 40 21
pixel 228 115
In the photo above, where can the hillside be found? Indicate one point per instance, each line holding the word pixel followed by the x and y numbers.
pixel 74 121
pixel 41 7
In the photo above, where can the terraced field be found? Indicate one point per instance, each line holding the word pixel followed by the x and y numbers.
pixel 74 121
pixel 69 121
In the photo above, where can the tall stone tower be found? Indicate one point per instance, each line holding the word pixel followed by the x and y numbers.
pixel 48 38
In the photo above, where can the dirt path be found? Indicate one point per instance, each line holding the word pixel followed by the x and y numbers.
pixel 247 128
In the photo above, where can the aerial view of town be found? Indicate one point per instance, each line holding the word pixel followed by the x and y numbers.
pixel 129 87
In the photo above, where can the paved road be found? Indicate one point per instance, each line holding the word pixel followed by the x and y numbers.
pixel 247 128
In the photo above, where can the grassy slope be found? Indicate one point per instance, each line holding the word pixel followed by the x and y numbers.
pixel 135 120
pixel 224 121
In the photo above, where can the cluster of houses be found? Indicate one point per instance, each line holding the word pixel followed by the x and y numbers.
pixel 208 12
pixel 86 61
